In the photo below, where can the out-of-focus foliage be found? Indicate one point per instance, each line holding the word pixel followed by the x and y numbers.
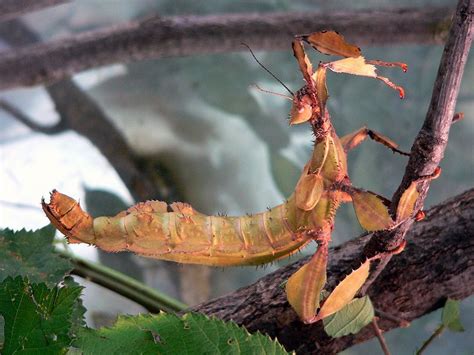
pixel 37 318
pixel 31 254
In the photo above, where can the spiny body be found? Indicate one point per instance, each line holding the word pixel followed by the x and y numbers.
pixel 179 233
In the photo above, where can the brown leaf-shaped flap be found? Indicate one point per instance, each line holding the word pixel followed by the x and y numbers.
pixel 371 210
pixel 300 112
pixel 407 202
pixel 308 191
pixel 321 88
pixel 353 139
pixel 304 287
pixel 355 66
pixel 345 291
pixel 331 42
pixel 303 61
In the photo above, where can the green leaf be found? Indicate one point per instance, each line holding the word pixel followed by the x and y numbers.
pixel 451 316
pixel 350 319
pixel 2 329
pixel 31 253
pixel 37 318
pixel 169 334
pixel 77 316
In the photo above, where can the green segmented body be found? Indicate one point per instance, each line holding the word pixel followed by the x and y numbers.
pixel 187 236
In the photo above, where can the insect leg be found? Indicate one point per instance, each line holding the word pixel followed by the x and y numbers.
pixel 353 139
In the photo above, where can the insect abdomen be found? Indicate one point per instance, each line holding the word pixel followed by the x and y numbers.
pixel 184 235
pixel 217 240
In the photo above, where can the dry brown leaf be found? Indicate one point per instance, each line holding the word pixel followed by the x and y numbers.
pixel 332 43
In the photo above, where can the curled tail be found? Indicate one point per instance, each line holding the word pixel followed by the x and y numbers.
pixel 68 217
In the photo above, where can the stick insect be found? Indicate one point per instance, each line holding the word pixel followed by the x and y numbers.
pixel 179 233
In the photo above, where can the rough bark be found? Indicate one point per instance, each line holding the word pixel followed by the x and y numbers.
pixel 437 263
pixel 10 9
pixel 428 149
pixel 190 35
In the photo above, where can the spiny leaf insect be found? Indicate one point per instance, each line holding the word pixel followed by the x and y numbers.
pixel 179 233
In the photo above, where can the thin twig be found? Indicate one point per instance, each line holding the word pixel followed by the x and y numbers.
pixel 190 35
pixel 403 323
pixel 149 298
pixel 380 337
pixel 433 336
pixel 28 122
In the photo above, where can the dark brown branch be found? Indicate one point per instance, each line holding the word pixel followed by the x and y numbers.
pixel 28 122
pixel 415 283
pixel 428 149
pixel 80 113
pixel 191 35
pixel 10 9
pixel 379 335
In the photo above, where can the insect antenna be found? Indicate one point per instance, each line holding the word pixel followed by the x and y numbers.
pixel 267 70
pixel 271 92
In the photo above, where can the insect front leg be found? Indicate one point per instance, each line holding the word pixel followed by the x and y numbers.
pixel 352 140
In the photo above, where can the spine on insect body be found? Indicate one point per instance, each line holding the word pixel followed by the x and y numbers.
pixel 179 233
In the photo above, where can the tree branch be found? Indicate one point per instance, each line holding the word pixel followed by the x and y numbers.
pixel 151 299
pixel 190 35
pixel 10 9
pixel 30 123
pixel 80 113
pixel 415 283
pixel 428 149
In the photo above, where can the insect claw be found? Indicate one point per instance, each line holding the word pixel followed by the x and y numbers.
pixel 399 249
pixel 420 215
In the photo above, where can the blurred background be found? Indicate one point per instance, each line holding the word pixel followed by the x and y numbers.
pixel 202 134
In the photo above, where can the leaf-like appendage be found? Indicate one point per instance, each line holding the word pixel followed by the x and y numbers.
pixel 37 319
pixel 303 61
pixel 451 316
pixel 358 66
pixel 300 114
pixel 407 202
pixel 332 43
pixel 345 291
pixel 350 319
pixel 31 253
pixel 308 191
pixel 321 88
pixel 169 334
pixel 304 287
pixel 354 66
pixel 371 211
